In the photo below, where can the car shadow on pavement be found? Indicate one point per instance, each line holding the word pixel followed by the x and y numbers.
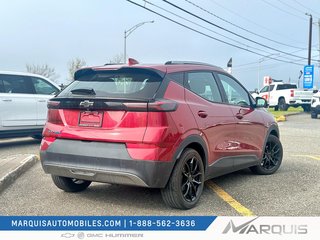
pixel 4 143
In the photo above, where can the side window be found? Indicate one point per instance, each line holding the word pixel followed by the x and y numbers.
pixel 16 84
pixel 204 85
pixel 177 77
pixel 266 89
pixel 236 94
pixel 1 86
pixel 41 86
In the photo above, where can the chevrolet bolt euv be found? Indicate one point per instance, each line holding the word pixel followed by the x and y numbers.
pixel 170 126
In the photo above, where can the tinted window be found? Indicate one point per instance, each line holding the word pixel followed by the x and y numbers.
pixel 117 84
pixel 15 84
pixel 266 89
pixel 41 86
pixel 177 77
pixel 236 94
pixel 204 85
pixel 286 86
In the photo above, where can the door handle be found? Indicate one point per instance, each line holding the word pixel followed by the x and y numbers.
pixel 202 114
pixel 42 100
pixel 239 116
pixel 7 100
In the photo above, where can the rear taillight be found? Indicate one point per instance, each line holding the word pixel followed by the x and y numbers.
pixel 53 104
pixel 54 116
pixel 162 105
pixel 291 93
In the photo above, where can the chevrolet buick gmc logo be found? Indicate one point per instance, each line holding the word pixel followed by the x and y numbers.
pixel 86 104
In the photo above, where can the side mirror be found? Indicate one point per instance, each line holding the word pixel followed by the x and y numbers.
pixel 261 102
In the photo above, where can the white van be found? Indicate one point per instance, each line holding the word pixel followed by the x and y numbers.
pixel 23 103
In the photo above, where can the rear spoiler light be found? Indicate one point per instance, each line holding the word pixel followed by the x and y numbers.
pixel 158 105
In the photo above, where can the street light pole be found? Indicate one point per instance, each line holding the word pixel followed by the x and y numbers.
pixel 127 33
pixel 310 38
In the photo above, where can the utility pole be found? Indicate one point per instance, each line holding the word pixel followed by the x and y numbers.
pixel 310 38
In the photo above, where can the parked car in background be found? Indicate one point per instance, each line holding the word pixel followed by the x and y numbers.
pixel 169 126
pixel 281 96
pixel 315 105
pixel 23 103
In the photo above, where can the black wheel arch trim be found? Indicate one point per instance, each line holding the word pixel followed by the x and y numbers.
pixel 272 128
pixel 193 139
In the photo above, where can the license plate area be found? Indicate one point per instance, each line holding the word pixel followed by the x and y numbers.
pixel 90 119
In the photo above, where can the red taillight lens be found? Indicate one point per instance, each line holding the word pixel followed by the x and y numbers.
pixel 54 116
pixel 291 93
pixel 53 104
pixel 162 105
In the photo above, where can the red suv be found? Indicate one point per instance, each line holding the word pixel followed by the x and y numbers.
pixel 170 126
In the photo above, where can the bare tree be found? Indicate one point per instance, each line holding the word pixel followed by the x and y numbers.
pixel 74 65
pixel 43 70
pixel 117 58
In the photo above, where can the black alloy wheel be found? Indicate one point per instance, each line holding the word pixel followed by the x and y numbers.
pixel 272 157
pixel 191 179
pixel 185 185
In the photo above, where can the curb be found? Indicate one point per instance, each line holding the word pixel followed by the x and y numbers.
pixel 283 118
pixel 10 177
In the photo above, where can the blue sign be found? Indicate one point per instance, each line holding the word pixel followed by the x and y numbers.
pixel 308 76
pixel 106 223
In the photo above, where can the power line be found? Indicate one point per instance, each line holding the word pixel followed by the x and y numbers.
pixel 282 10
pixel 310 9
pixel 209 36
pixel 289 6
pixel 231 32
pixel 249 20
pixel 229 38
pixel 242 28
pixel 255 62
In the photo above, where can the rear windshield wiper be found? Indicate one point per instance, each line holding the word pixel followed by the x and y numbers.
pixel 83 91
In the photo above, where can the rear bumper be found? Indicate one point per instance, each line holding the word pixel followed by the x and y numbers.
pixel 103 162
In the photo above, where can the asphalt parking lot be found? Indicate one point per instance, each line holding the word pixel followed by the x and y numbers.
pixel 292 191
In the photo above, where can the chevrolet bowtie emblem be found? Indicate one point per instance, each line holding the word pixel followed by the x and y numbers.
pixel 86 104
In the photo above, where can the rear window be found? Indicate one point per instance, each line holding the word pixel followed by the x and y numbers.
pixel 136 84
pixel 286 86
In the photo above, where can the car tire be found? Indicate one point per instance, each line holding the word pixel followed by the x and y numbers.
pixel 282 104
pixel 70 184
pixel 272 157
pixel 37 136
pixel 314 115
pixel 185 185
pixel 306 108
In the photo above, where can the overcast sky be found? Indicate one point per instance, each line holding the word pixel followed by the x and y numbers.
pixel 54 31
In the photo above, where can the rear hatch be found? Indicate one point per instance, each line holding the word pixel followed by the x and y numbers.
pixel 104 105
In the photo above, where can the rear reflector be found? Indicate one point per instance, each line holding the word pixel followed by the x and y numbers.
pixel 54 116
